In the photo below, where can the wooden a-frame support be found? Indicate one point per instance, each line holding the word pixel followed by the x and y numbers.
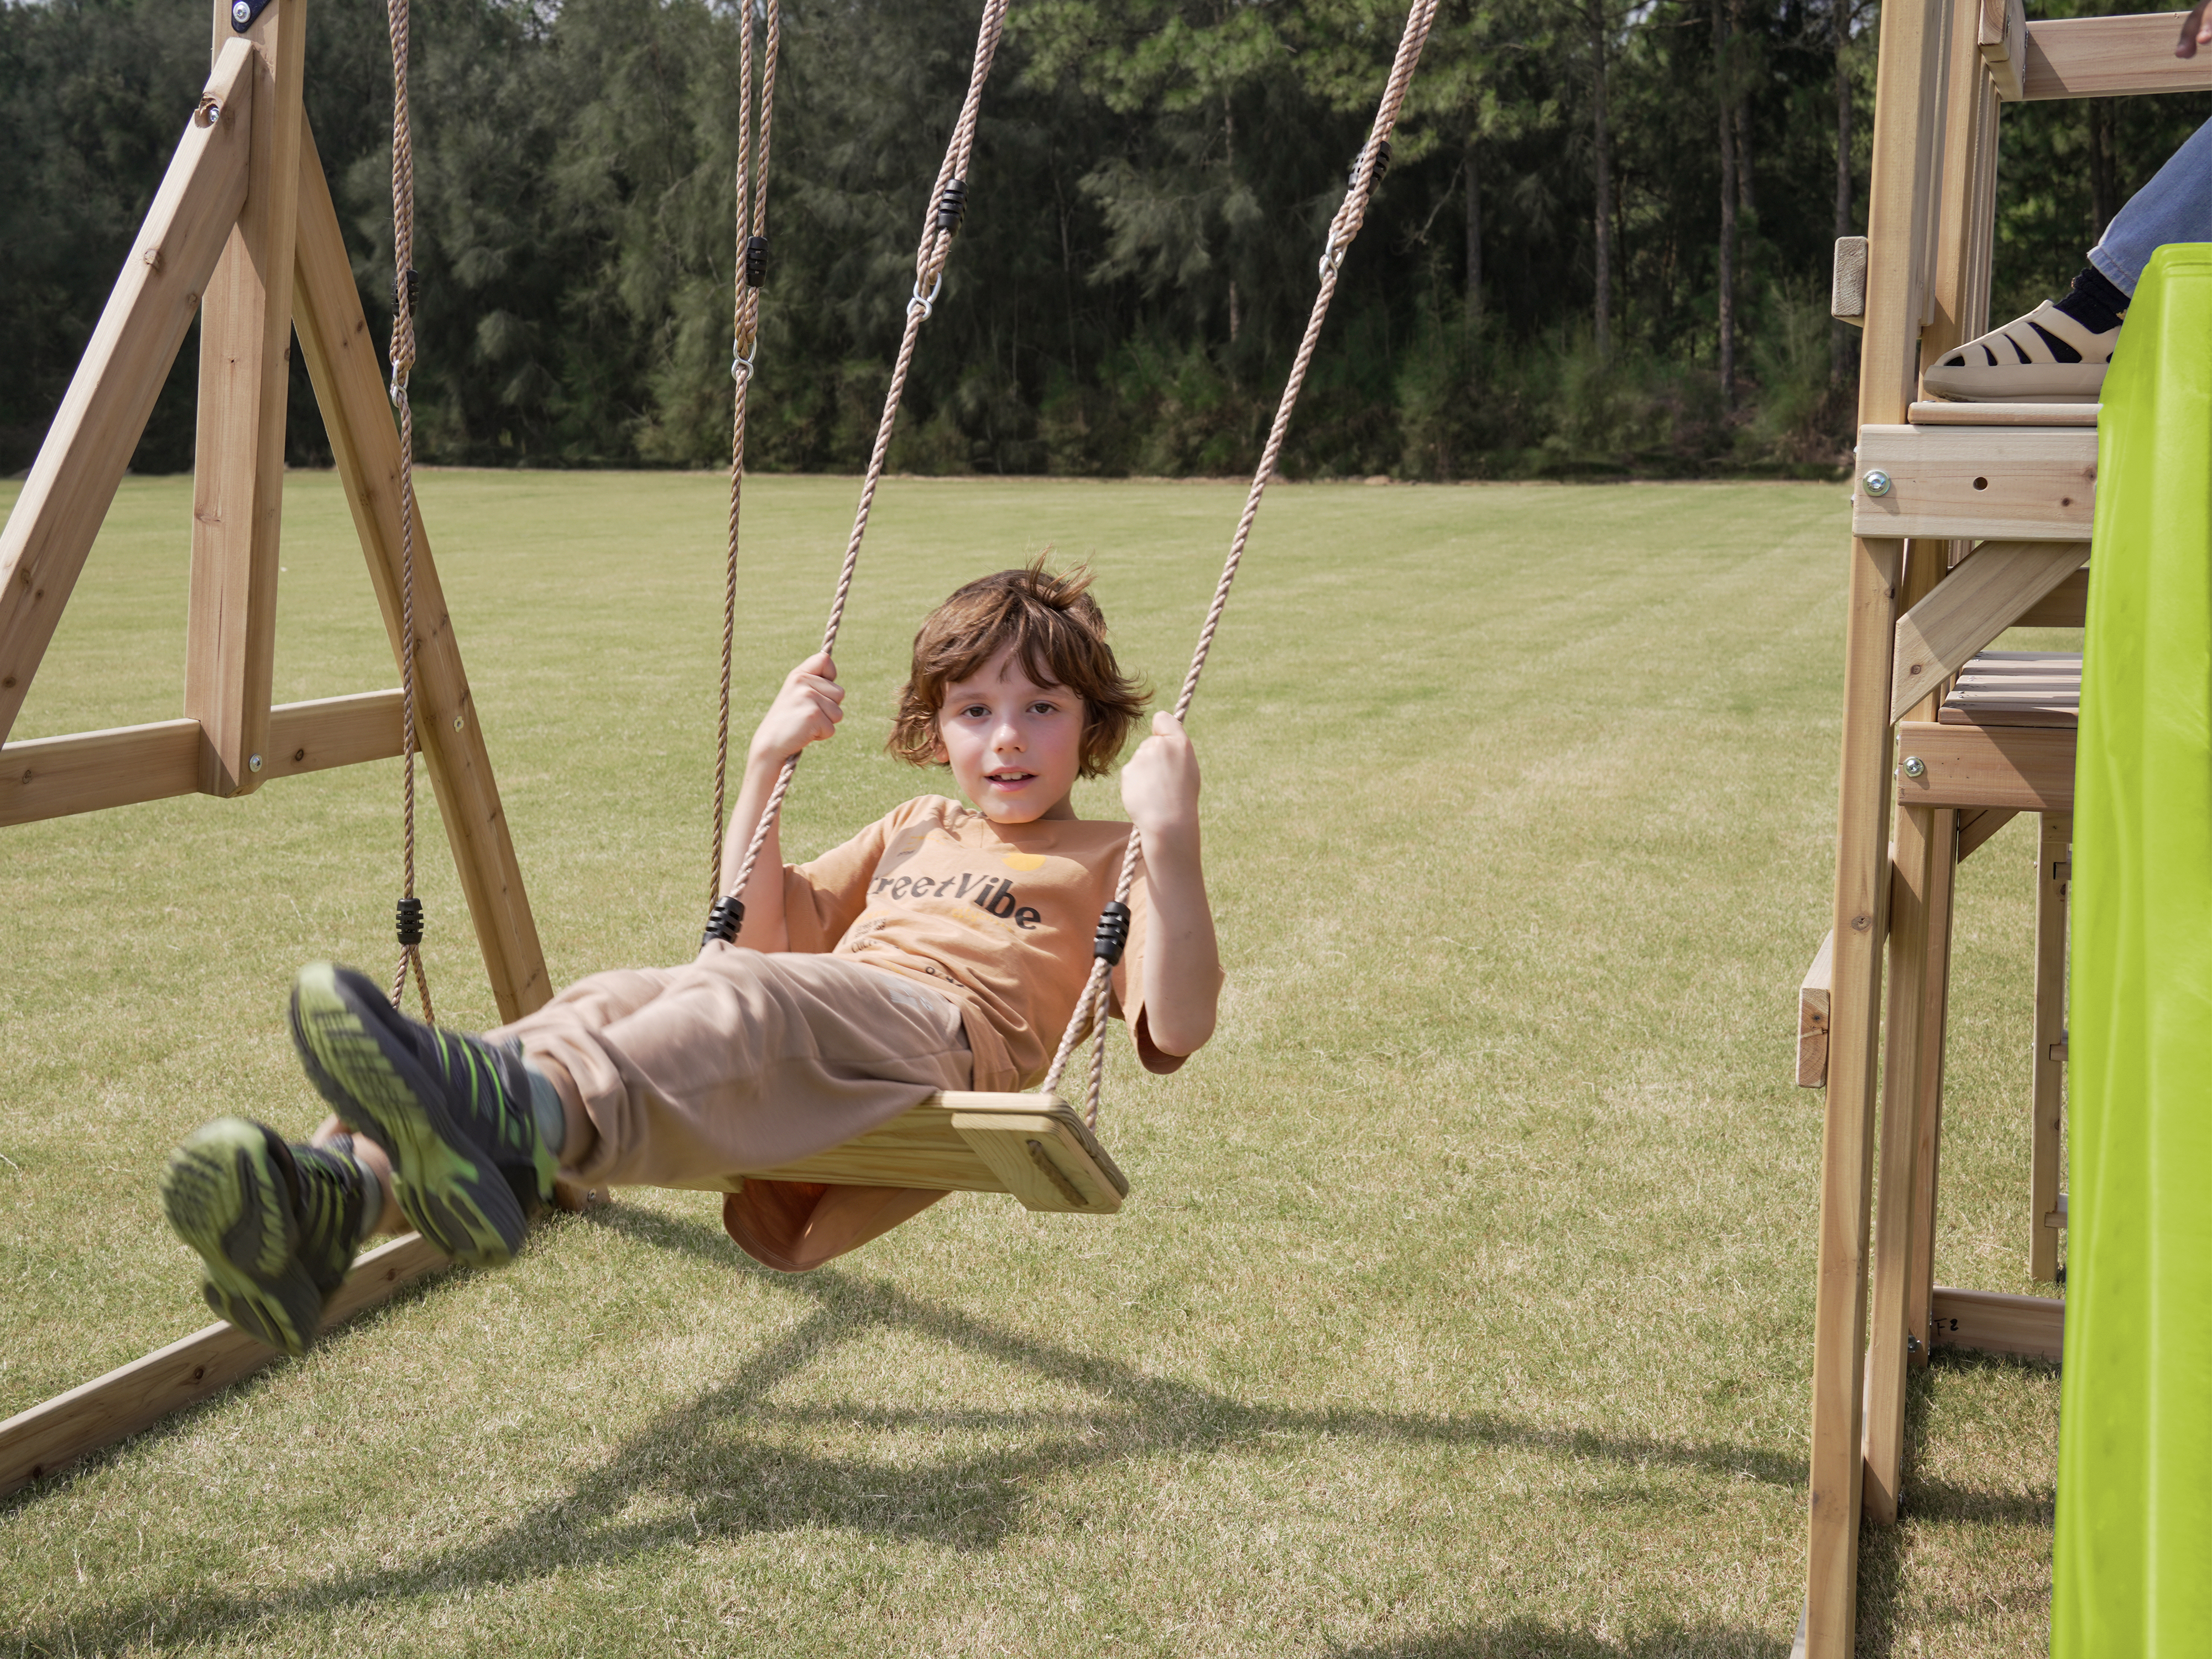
pixel 243 233
pixel 1934 480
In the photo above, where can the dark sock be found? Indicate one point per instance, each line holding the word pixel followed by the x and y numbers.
pixel 2095 301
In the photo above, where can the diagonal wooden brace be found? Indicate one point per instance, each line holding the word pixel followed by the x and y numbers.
pixel 72 483
pixel 1991 589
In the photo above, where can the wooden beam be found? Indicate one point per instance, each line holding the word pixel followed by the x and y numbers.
pixel 1985 594
pixel 72 482
pixel 2034 1326
pixel 1813 1018
pixel 2110 57
pixel 1936 413
pixel 2066 605
pixel 1909 101
pixel 91 771
pixel 36 1443
pixel 2054 871
pixel 349 381
pixel 2002 40
pixel 951 1142
pixel 2029 768
pixel 238 480
pixel 1978 824
pixel 1927 1102
pixel 2007 484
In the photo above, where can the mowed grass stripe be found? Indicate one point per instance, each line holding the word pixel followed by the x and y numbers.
pixel 1464 1302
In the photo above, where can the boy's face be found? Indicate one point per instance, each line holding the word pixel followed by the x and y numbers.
pixel 1015 747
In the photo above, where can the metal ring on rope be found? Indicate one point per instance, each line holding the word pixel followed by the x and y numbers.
pixel 927 306
pixel 741 362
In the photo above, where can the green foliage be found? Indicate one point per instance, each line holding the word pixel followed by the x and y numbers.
pixel 1151 182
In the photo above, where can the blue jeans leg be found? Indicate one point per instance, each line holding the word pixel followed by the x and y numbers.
pixel 2175 206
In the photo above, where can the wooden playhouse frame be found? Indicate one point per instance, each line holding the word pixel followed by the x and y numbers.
pixel 1966 519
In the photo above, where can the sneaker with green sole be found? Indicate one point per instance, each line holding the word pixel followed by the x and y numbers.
pixel 276 1226
pixel 452 1111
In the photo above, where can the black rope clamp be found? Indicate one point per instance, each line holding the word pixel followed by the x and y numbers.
pixel 724 921
pixel 413 280
pixel 756 261
pixel 410 922
pixel 952 208
pixel 1382 166
pixel 1113 935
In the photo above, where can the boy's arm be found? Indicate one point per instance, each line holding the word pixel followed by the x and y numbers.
pixel 1181 965
pixel 805 710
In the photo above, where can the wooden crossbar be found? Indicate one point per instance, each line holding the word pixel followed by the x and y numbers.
pixel 126 765
pixel 36 1443
pixel 2006 483
pixel 2110 57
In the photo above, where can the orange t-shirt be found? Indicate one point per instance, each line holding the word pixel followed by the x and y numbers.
pixel 1000 916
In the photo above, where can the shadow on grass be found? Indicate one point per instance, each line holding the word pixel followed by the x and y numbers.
pixel 1535 1639
pixel 707 1477
pixel 1884 1551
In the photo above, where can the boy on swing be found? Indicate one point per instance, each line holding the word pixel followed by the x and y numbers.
pixel 944 947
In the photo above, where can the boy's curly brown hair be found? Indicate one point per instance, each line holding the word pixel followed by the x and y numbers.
pixel 1054 624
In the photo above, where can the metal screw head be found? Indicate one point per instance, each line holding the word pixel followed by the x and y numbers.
pixel 1915 767
pixel 1876 483
pixel 253 762
pixel 1912 1344
pixel 241 14
pixel 457 722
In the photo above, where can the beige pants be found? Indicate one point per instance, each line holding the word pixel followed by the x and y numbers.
pixel 741 1060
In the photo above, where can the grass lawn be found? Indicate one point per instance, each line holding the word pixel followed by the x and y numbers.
pixel 1464 1304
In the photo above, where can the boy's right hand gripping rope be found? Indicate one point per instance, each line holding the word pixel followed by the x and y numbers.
pixel 1113 935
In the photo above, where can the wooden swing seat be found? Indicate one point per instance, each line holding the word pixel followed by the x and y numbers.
pixel 1036 1147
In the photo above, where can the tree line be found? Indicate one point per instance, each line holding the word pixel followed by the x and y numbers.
pixel 1602 245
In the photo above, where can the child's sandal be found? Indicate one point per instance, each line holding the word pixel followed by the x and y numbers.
pixel 2046 356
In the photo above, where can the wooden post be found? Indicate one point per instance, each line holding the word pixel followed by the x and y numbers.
pixel 1926 840
pixel 1910 81
pixel 1927 1096
pixel 341 360
pixel 238 489
pixel 2053 874
pixel 72 483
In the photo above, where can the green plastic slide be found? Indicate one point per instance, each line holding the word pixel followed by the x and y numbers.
pixel 2134 1570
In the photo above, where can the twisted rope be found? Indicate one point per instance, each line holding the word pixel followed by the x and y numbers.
pixel 744 332
pixel 403 364
pixel 936 246
pixel 1350 215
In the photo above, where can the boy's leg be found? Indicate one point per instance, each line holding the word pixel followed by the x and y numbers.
pixel 276 1226
pixel 473 1137
pixel 2175 206
pixel 2063 347
pixel 739 1060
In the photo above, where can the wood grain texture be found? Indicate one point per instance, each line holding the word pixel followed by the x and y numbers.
pixel 2110 57
pixel 1813 1018
pixel 2016 688
pixel 2066 605
pixel 2034 1326
pixel 2001 484
pixel 72 482
pixel 2027 768
pixel 1040 1160
pixel 1936 412
pixel 1978 824
pixel 924 1147
pixel 36 1443
pixel 2002 40
pixel 1927 1102
pixel 349 380
pixel 238 469
pixel 2047 1127
pixel 1988 593
pixel 1900 218
pixel 91 771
